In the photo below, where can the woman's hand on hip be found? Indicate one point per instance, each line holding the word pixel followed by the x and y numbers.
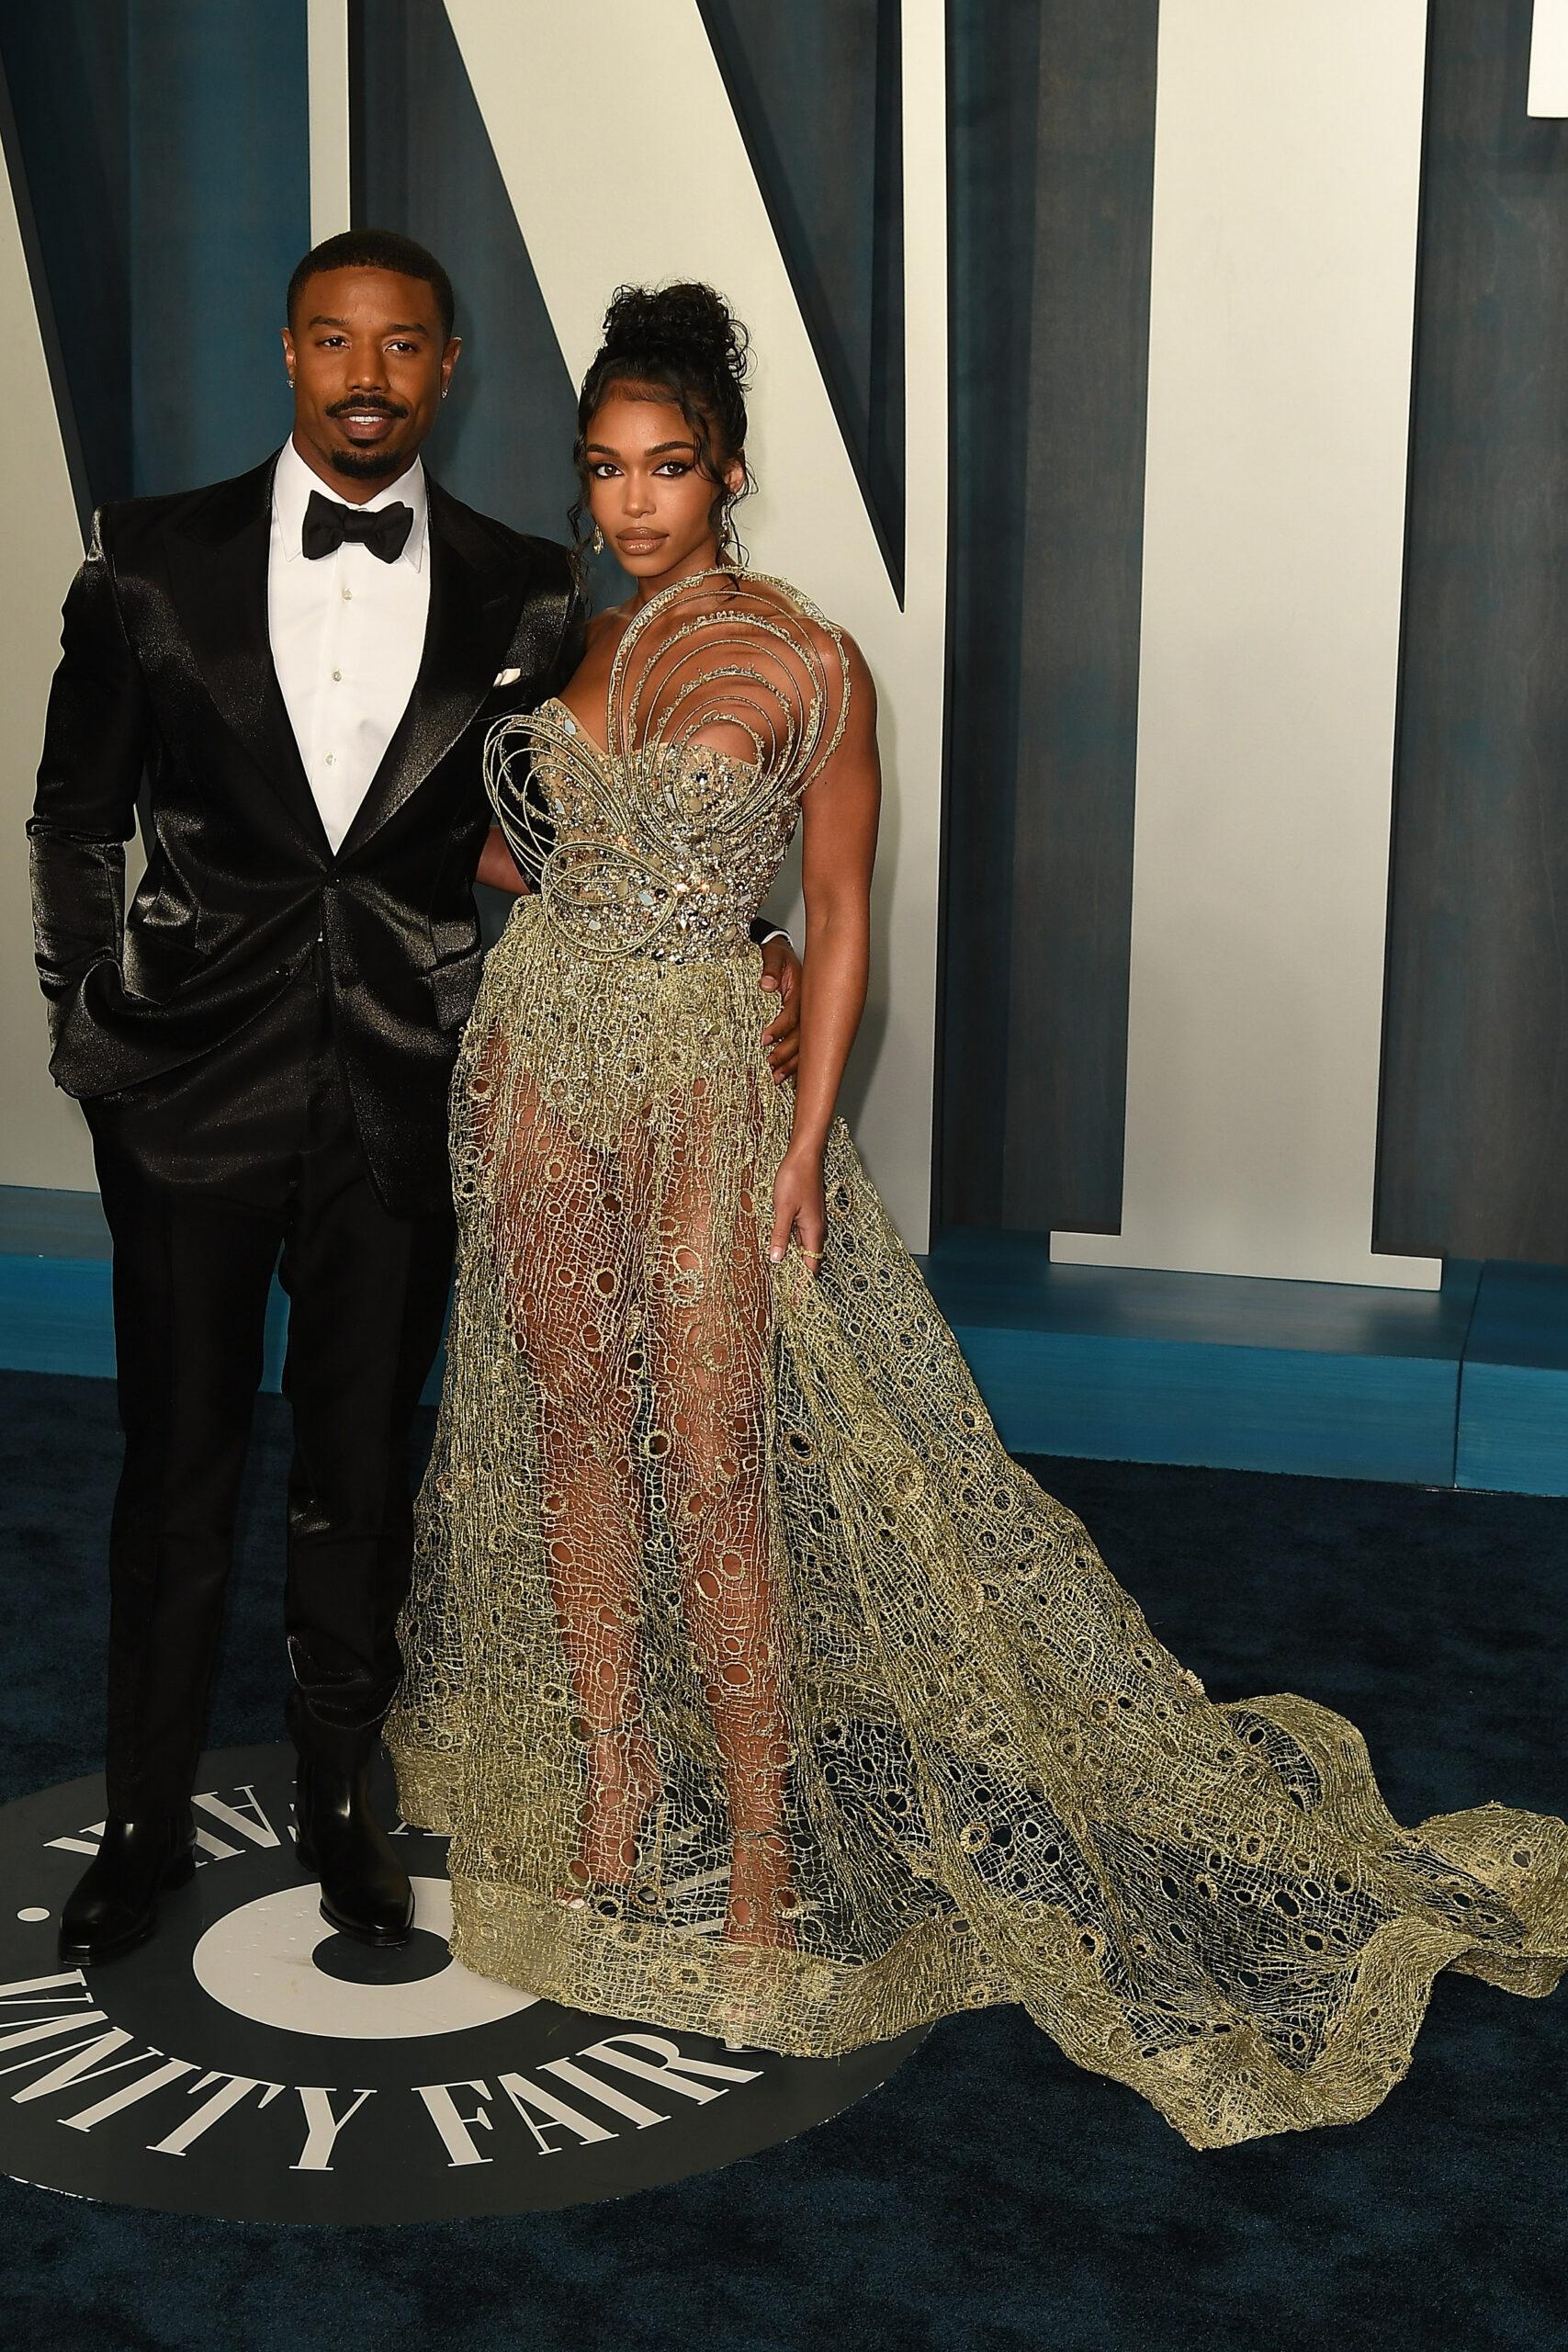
pixel 780 976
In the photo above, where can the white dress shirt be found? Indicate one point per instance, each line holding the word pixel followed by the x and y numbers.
pixel 347 636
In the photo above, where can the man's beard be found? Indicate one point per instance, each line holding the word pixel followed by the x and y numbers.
pixel 370 465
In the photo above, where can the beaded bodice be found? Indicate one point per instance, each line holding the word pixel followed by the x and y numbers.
pixel 727 698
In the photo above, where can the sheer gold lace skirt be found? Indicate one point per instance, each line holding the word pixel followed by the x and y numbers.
pixel 764 1696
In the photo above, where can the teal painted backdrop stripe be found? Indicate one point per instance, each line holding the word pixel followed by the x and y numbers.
pixel 68 82
pixel 424 164
pixel 816 88
pixel 167 162
pixel 1050 199
pixel 220 211
pixel 1469 1388
pixel 1475 1084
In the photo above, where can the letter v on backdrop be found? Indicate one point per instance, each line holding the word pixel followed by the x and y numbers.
pixel 1286 177
pixel 1286 167
pixel 623 160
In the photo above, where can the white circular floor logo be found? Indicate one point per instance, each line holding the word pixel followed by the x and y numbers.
pixel 277 1961
pixel 251 2063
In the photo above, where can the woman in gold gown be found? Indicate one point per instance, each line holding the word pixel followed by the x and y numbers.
pixel 762 1693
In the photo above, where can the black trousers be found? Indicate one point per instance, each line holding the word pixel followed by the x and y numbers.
pixel 246 1163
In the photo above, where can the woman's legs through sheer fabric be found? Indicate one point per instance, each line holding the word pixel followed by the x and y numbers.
pixel 710 1335
pixel 639 1293
pixel 568 1255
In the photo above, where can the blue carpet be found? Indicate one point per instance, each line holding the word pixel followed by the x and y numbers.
pixel 992 2198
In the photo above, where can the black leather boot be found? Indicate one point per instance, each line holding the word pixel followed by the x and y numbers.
pixel 364 1888
pixel 113 1906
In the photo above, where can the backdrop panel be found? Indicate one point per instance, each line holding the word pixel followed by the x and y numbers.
pixel 817 94
pixel 1475 1084
pixel 1287 158
pixel 163 151
pixel 593 212
pixel 42 1140
pixel 424 163
pixel 158 157
pixel 1052 152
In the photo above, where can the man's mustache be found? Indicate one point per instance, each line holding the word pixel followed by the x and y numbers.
pixel 366 408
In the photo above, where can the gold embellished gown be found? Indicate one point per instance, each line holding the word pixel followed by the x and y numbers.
pixel 762 1693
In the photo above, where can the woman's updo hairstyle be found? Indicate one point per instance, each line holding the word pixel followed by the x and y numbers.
pixel 681 343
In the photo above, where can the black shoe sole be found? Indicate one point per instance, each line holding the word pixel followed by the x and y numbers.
pixel 98 1955
pixel 180 1872
pixel 378 1938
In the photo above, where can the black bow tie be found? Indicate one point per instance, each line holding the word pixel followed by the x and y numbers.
pixel 383 529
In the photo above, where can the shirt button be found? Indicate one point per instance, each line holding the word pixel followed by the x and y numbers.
pixel 347 594
pixel 331 757
pixel 337 677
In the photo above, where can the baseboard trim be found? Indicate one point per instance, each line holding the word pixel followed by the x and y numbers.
pixel 1465 1386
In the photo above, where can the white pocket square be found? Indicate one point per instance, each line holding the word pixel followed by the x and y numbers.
pixel 508 677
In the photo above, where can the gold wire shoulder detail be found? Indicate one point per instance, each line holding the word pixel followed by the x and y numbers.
pixel 732 651
pixel 727 696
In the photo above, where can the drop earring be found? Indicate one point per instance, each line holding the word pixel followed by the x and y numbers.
pixel 598 540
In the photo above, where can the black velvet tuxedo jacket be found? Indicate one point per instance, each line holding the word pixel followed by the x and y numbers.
pixel 166 693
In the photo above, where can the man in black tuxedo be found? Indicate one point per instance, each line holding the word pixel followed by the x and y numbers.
pixel 295 672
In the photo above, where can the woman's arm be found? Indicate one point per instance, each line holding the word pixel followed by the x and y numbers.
pixel 497 866
pixel 838 851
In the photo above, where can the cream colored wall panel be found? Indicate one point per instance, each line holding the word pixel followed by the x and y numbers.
pixel 326 55
pixel 42 1138
pixel 624 162
pixel 1548 58
pixel 1286 164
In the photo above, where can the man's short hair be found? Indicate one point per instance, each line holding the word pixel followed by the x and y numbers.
pixel 375 249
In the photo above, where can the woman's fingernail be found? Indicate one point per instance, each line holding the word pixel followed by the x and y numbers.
pixel 775 1255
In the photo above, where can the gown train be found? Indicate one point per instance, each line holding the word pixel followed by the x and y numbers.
pixel 762 1693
